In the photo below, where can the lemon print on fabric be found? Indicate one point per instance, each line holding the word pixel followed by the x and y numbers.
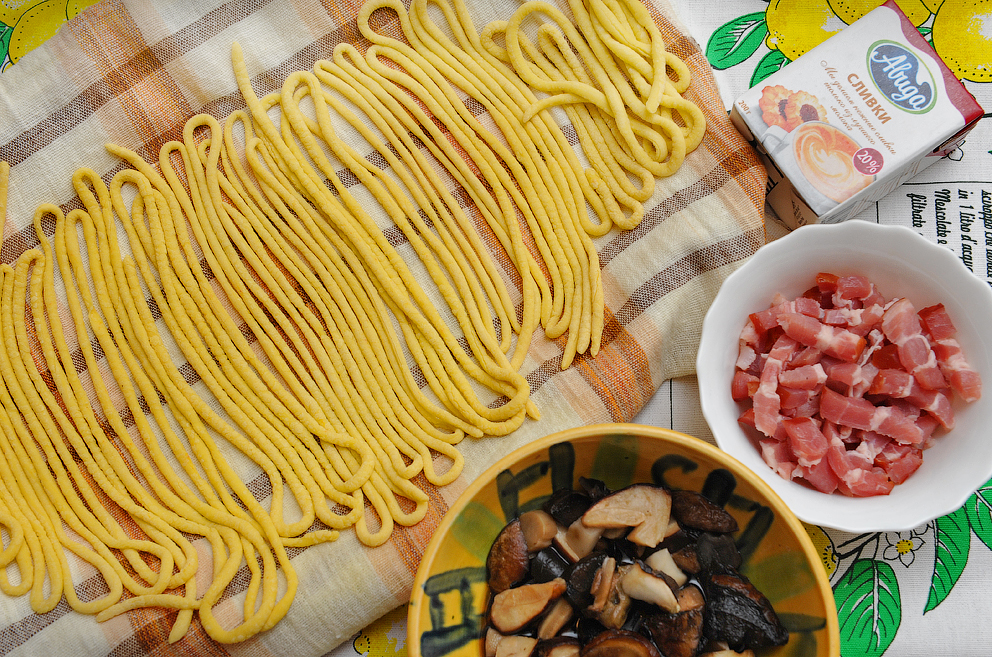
pixel 11 10
pixel 851 10
pixel 962 35
pixel 384 637
pixel 35 26
pixel 797 26
pixel 824 548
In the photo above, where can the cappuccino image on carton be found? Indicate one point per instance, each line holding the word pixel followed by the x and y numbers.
pixel 853 118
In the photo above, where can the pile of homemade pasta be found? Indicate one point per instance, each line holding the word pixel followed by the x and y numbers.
pixel 345 318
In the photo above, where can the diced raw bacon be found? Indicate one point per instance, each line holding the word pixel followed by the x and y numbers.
pixel 857 477
pixel 899 384
pixel 740 387
pixel 821 476
pixel 851 379
pixel 902 327
pixel 886 357
pixel 791 398
pixel 851 288
pixel 832 341
pixel 848 388
pixel 805 356
pixel 937 322
pixel 745 356
pixel 859 413
pixel 766 400
pixel 892 382
pixel 778 457
pixel 899 461
pixel 805 377
pixel 807 442
pixel 963 379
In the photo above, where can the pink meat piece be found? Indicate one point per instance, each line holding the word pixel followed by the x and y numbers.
pixel 792 398
pixel 899 461
pixel 745 356
pixel 807 442
pixel 871 443
pixel 859 413
pixel 778 457
pixel 851 379
pixel 805 356
pixel 965 381
pixel 902 327
pixel 742 385
pixel 857 476
pixel 851 289
pixel 804 377
pixel 832 341
pixel 899 384
pixel 766 400
pixel 821 476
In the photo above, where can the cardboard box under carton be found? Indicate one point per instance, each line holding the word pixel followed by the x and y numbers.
pixel 852 119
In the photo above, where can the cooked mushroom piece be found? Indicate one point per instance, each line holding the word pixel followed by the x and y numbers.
pixel 508 562
pixel 693 509
pixel 516 646
pixel 739 614
pixel 661 561
pixel 493 637
pixel 514 608
pixel 578 540
pixel 547 564
pixel 579 578
pixel 602 583
pixel 612 612
pixel 676 635
pixel 620 643
pixel 538 528
pixel 644 507
pixel 567 506
pixel 555 619
pixel 559 646
pixel 642 585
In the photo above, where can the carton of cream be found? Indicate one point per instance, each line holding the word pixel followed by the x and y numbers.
pixel 853 118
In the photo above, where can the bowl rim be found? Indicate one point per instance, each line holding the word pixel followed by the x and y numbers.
pixel 853 231
pixel 782 510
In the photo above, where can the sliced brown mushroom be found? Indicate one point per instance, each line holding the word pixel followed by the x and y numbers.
pixel 516 646
pixel 689 597
pixel 602 583
pixel 508 562
pixel 661 561
pixel 645 508
pixel 619 643
pixel 613 611
pixel 555 619
pixel 738 613
pixel 538 528
pixel 493 637
pixel 693 509
pixel 559 646
pixel 578 540
pixel 642 585
pixel 676 635
pixel 514 608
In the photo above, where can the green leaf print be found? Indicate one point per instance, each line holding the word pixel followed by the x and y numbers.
pixel 5 32
pixel 869 606
pixel 737 40
pixel 979 508
pixel 770 63
pixel 952 536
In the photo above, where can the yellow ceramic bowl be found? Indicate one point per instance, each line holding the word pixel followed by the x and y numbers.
pixel 450 593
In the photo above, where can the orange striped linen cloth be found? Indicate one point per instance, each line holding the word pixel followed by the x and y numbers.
pixel 133 72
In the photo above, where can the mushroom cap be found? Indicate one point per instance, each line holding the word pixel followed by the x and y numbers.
pixel 644 507
pixel 619 643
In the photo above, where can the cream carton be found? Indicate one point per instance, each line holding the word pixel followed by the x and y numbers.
pixel 852 119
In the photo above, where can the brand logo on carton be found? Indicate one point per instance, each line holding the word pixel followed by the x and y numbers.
pixel 901 77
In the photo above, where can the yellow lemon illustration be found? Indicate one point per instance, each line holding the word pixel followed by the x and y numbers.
pixel 933 5
pixel 962 36
pixel 74 7
pixel 35 26
pixel 851 10
pixel 11 10
pixel 824 547
pixel 797 26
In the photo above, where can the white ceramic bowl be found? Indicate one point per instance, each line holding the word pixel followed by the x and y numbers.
pixel 901 263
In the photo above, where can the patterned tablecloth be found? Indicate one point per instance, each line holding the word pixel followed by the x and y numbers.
pixel 921 592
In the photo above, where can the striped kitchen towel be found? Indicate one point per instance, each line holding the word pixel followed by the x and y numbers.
pixel 132 73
